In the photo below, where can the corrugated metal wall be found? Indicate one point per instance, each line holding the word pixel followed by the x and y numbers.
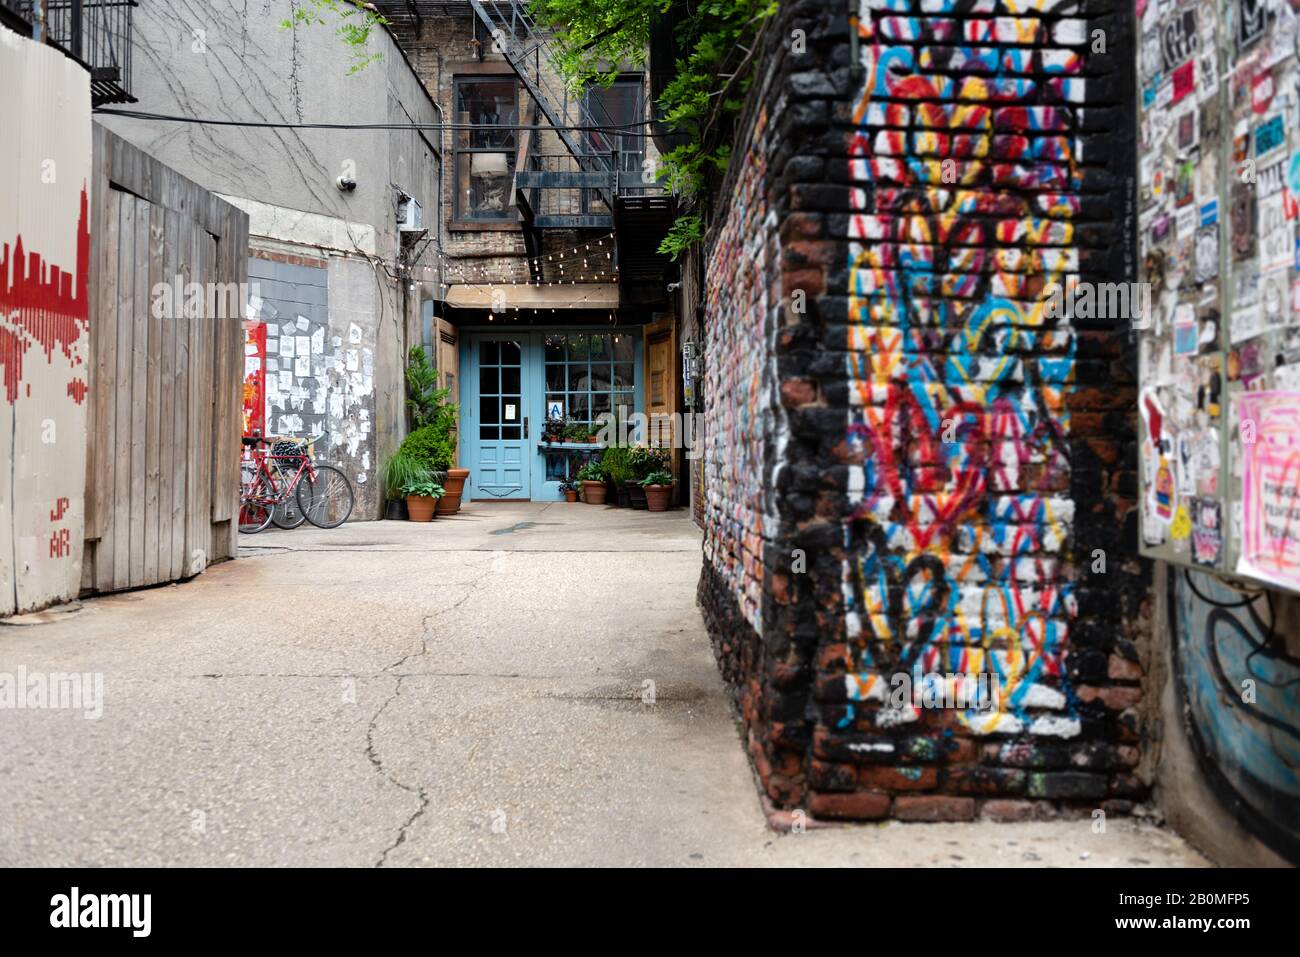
pixel 45 157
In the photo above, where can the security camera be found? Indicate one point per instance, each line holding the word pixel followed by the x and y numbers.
pixel 346 183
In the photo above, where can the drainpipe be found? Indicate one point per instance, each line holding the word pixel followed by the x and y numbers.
pixel 38 20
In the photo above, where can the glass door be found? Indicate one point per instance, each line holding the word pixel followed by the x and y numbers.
pixel 497 421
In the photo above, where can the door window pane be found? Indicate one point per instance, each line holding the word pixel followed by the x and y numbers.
pixel 510 353
pixel 488 409
pixel 488 381
pixel 489 353
pixel 510 380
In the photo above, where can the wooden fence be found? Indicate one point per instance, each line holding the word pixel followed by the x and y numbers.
pixel 168 275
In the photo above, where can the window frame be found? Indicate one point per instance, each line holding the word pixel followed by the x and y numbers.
pixel 509 216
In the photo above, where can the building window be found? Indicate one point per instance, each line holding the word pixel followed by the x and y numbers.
pixel 619 107
pixel 485 155
pixel 589 374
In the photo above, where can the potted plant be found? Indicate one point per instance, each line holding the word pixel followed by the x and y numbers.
pixel 592 477
pixel 422 496
pixel 658 491
pixel 435 418
pixel 619 471
pixel 570 490
pixel 644 461
pixel 553 430
pixel 400 469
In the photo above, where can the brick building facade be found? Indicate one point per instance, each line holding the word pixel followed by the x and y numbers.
pixel 912 469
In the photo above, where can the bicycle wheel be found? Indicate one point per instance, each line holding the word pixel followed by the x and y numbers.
pixel 327 502
pixel 287 514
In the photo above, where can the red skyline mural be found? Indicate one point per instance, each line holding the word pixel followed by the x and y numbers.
pixel 43 305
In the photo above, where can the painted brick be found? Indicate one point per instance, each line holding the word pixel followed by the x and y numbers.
pixel 947 457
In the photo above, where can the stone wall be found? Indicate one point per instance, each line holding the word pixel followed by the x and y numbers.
pixel 913 468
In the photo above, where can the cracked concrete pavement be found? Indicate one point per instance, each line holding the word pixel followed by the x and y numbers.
pixel 466 692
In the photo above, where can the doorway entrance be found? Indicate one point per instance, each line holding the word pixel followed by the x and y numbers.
pixel 511 381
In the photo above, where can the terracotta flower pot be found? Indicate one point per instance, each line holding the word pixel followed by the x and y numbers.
pixel 658 498
pixel 570 494
pixel 593 493
pixel 449 504
pixel 421 507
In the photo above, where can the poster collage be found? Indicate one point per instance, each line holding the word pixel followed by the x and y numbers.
pixel 1219 353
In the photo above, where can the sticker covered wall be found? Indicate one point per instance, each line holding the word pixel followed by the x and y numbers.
pixel 1220 352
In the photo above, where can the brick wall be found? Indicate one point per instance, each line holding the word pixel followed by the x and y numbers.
pixel 910 464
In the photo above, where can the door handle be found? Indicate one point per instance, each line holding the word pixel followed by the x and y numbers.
pixel 525 426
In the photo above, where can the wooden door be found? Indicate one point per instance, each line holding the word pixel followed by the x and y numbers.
pixel 661 383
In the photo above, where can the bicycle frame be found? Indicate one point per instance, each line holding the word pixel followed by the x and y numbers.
pixel 300 464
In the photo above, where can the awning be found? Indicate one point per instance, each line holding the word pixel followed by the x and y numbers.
pixel 583 295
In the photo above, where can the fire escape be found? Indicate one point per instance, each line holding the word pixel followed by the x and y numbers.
pixel 95 33
pixel 583 190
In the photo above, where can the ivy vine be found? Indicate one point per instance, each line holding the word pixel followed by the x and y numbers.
pixel 598 39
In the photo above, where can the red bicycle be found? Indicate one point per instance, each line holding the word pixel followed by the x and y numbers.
pixel 284 486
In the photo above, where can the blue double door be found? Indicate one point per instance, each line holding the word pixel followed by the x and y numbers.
pixel 510 380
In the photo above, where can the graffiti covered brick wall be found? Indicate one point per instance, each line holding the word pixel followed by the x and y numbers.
pixel 954 471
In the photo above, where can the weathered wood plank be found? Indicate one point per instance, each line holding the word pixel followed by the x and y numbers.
pixel 153 392
pixel 139 389
pixel 121 528
pixel 178 238
pixel 166 403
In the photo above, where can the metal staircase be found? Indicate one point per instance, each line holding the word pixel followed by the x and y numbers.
pixel 524 44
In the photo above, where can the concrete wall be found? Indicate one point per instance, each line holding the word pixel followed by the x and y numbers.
pixel 940 459
pixel 231 61
pixel 45 255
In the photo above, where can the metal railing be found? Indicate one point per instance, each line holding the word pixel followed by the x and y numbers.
pixel 96 33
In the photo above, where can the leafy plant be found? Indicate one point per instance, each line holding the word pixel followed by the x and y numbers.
pixel 355 22
pixel 429 446
pixel 616 463
pixel 553 430
pixel 425 487
pixel 568 486
pixel 645 460
pixel 401 469
pixel 591 472
pixel 575 432
pixel 658 478
pixel 427 403
pixel 598 38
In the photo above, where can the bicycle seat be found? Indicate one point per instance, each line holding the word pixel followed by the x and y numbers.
pixel 252 440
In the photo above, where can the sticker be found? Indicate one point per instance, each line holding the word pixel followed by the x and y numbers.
pixel 1210 214
pixel 1179 38
pixel 1207 531
pixel 1261 93
pixel 1183 81
pixel 1270 488
pixel 1270 135
pixel 555 409
pixel 1276 235
pixel 1181 527
pixel 1253 20
pixel 1207 253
